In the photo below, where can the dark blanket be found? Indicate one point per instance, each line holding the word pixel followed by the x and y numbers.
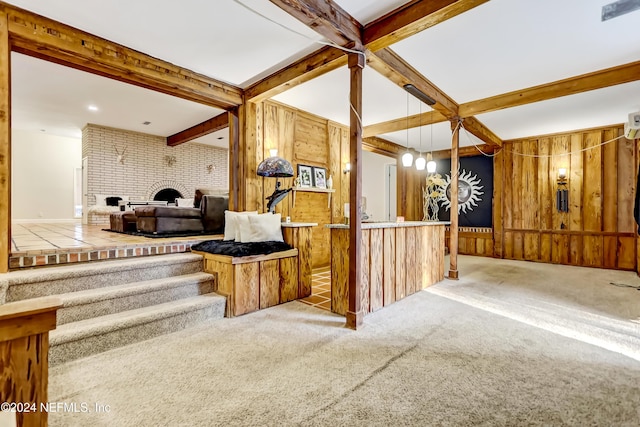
pixel 236 249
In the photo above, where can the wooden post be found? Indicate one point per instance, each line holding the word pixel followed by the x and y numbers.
pixel 24 356
pixel 354 312
pixel 252 153
pixel 453 234
pixel 236 176
pixel 5 144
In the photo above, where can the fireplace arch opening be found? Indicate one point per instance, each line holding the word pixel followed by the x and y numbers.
pixel 167 195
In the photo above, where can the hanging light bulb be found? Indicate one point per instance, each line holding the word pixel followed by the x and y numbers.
pixel 420 161
pixel 431 164
pixel 407 158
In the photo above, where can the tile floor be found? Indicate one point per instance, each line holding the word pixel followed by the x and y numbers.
pixel 320 289
pixel 37 244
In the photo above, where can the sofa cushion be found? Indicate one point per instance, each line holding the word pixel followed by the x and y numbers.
pixel 184 203
pixel 212 209
pixel 101 199
pixel 167 211
pixel 200 192
pixel 168 225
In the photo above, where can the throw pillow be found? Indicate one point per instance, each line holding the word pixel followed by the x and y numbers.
pixel 113 200
pixel 263 228
pixel 230 229
pixel 101 200
pixel 242 226
pixel 188 203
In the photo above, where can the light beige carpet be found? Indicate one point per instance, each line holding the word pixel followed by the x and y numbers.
pixel 427 360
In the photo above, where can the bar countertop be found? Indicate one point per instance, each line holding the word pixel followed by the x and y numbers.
pixel 368 225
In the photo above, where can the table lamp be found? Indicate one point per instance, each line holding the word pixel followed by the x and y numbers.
pixel 275 167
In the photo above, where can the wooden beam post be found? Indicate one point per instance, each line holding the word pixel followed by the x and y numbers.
pixel 5 144
pixel 453 234
pixel 355 314
pixel 235 161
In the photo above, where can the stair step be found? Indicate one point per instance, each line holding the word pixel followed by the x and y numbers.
pixel 90 303
pixel 40 282
pixel 86 337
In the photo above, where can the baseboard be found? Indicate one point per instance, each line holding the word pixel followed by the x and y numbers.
pixel 46 221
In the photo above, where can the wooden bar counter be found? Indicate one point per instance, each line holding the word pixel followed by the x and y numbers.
pixel 398 259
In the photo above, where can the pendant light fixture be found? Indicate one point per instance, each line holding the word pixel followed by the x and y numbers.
pixel 407 158
pixel 420 161
pixel 431 164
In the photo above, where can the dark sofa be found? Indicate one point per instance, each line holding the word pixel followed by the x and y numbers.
pixel 208 218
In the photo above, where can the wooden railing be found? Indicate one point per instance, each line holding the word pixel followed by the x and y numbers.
pixel 24 360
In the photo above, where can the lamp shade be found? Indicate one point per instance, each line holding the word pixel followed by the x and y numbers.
pixel 275 167
pixel 407 159
pixel 431 166
pixel 420 163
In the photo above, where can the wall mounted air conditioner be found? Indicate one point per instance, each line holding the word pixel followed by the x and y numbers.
pixel 632 126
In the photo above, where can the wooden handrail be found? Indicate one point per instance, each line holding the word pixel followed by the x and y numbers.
pixel 24 356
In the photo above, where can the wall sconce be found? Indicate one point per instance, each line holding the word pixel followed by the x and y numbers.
pixel 347 168
pixel 562 195
pixel 562 175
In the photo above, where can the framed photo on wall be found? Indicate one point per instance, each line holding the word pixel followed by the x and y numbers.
pixel 305 176
pixel 319 177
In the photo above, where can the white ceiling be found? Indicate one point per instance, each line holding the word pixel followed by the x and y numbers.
pixel 500 46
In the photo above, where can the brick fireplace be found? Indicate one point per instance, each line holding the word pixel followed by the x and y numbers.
pixel 144 170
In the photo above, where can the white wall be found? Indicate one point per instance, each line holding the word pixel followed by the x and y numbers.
pixel 373 183
pixel 42 168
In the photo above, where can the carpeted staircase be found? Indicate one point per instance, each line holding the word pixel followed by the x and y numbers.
pixel 110 304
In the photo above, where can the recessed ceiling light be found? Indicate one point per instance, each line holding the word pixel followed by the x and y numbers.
pixel 92 108
pixel 147 123
pixel 221 137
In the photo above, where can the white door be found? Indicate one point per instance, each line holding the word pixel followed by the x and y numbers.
pixel 391 189
pixel 85 179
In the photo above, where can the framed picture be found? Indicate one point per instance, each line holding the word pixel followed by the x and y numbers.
pixel 305 176
pixel 319 177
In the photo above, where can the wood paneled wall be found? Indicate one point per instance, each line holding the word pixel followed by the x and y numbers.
pixel 474 241
pixel 598 231
pixel 301 138
pixel 409 187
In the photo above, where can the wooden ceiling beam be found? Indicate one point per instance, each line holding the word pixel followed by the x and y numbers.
pixel 427 118
pixel 50 40
pixel 318 63
pixel 475 127
pixel 214 124
pixel 381 146
pixel 583 83
pixel 396 69
pixel 326 18
pixel 412 18
pixel 465 151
